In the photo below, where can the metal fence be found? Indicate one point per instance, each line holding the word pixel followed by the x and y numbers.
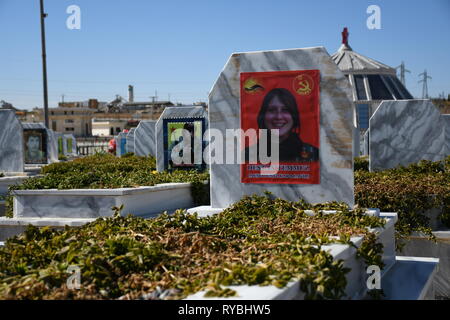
pixel 92 145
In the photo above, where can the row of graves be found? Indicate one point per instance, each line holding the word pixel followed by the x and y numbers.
pixel 278 121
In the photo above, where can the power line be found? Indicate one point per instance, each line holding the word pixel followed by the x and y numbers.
pixel 425 84
pixel 402 72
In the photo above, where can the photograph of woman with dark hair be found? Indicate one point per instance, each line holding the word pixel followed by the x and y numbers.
pixel 279 111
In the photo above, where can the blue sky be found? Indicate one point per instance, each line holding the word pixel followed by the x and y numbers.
pixel 179 47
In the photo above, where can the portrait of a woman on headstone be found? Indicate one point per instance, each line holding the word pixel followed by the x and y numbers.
pixel 280 125
pixel 279 111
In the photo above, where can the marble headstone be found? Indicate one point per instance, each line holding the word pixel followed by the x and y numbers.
pixel 11 147
pixel 356 143
pixel 52 142
pixel 366 142
pixel 336 127
pixel 130 140
pixel 185 112
pixel 121 144
pixel 446 118
pixel 404 132
pixel 60 141
pixel 144 139
pixel 70 144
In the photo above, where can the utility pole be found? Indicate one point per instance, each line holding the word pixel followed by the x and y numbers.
pixel 402 73
pixel 425 84
pixel 44 63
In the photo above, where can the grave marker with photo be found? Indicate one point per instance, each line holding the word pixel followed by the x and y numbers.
pixel 170 139
pixel 331 110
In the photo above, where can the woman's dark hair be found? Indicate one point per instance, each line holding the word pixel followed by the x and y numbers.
pixel 287 99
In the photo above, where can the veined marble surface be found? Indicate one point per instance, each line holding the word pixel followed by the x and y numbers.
pixel 11 143
pixel 336 127
pixel 52 146
pixel 366 142
pixel 185 112
pixel 404 132
pixel 72 152
pixel 144 139
pixel 446 118
pixel 130 140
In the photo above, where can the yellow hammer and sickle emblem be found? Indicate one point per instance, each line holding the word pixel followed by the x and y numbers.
pixel 304 87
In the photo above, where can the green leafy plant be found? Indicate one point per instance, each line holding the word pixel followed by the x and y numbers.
pixel 104 171
pixel 257 241
pixel 410 191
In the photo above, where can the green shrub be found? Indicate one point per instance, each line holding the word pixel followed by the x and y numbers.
pixel 257 241
pixel 104 171
pixel 361 163
pixel 410 191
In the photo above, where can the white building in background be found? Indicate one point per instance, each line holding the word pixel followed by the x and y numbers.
pixel 107 127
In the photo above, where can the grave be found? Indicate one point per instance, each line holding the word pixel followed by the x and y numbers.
pixel 60 142
pixel 130 140
pixel 11 148
pixel 121 144
pixel 36 143
pixel 366 142
pixel 334 133
pixel 70 145
pixel 190 118
pixel 404 132
pixel 446 118
pixel 144 139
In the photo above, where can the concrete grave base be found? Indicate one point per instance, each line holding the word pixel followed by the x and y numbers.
pixel 94 203
pixel 392 274
pixel 10 227
pixel 6 182
pixel 418 245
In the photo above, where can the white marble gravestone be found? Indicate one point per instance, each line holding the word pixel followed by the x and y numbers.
pixel 366 142
pixel 11 147
pixel 446 118
pixel 175 113
pixel 130 140
pixel 336 127
pixel 73 150
pixel 404 132
pixel 52 142
pixel 144 139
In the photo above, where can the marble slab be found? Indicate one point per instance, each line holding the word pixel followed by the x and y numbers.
pixel 130 140
pixel 404 132
pixel 11 147
pixel 356 142
pixel 52 142
pixel 144 139
pixel 366 142
pixel 53 146
pixel 70 151
pixel 94 203
pixel 119 145
pixel 446 118
pixel 336 127
pixel 184 112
